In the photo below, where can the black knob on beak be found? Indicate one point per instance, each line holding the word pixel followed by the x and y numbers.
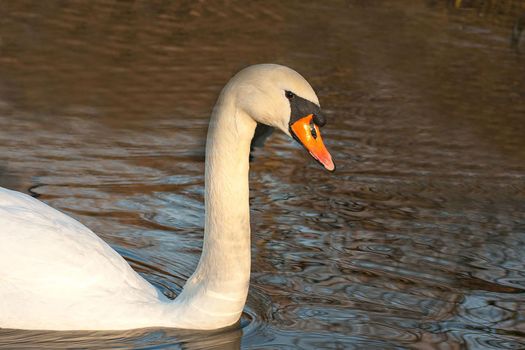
pixel 319 120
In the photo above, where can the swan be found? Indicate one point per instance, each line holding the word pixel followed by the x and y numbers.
pixel 56 274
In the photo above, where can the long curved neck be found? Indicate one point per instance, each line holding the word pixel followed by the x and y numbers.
pixel 226 250
pixel 217 290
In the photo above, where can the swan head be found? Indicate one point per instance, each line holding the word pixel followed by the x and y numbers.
pixel 279 97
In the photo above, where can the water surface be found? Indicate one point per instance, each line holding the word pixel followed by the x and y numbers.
pixel 418 239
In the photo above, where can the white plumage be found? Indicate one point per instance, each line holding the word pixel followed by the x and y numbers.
pixel 55 273
pixel 51 265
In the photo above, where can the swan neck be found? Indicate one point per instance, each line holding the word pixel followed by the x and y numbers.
pixel 217 290
pixel 227 224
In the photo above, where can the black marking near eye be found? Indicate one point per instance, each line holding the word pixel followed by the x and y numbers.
pixel 301 107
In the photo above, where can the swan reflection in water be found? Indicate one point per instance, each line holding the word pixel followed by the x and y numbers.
pixel 225 339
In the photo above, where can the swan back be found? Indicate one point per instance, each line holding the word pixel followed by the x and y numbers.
pixel 50 264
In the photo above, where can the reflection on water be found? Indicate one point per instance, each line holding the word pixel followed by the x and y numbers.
pixel 143 338
pixel 417 240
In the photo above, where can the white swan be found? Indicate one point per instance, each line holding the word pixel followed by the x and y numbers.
pixel 56 274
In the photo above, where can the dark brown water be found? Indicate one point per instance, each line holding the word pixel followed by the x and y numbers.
pixel 417 241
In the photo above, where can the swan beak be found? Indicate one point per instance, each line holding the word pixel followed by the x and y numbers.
pixel 307 133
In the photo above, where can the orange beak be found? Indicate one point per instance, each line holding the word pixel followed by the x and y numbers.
pixel 307 133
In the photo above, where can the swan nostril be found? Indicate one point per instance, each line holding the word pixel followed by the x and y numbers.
pixel 313 131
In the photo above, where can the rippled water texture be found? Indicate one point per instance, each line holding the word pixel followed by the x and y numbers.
pixel 418 240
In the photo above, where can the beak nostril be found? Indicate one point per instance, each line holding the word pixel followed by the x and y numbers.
pixel 312 130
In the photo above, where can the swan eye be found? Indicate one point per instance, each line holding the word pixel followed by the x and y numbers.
pixel 289 95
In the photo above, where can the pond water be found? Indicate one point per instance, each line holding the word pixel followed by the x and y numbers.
pixel 416 241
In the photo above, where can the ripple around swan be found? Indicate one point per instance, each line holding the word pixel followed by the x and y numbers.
pixel 416 241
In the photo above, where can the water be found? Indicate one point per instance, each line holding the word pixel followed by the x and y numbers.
pixel 418 239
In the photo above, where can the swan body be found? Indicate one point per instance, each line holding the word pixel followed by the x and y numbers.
pixel 56 274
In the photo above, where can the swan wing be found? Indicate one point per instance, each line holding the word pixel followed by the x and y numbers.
pixel 54 268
